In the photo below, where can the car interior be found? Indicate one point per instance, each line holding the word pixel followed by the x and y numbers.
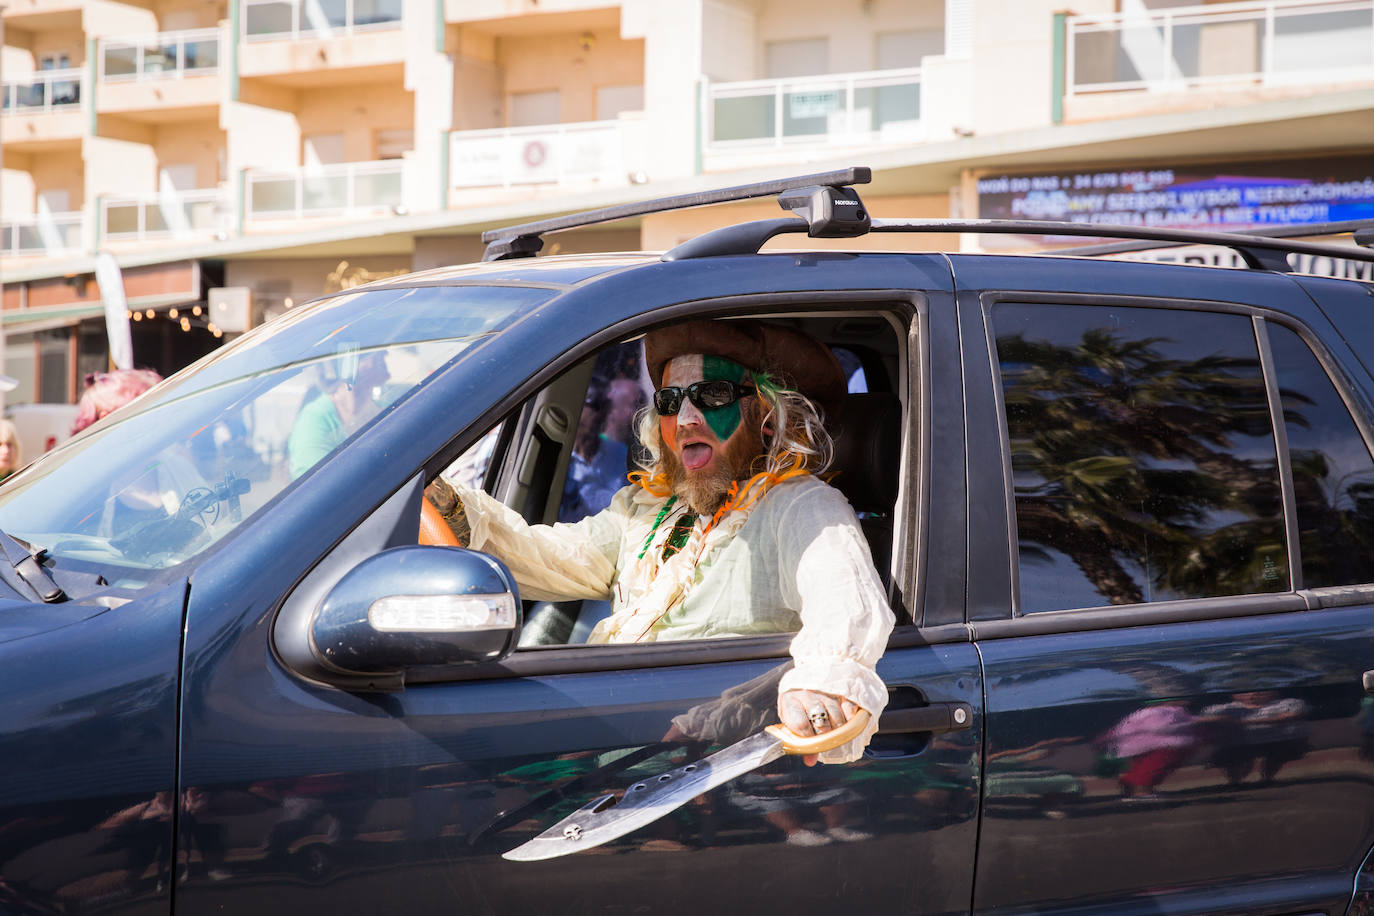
pixel 562 454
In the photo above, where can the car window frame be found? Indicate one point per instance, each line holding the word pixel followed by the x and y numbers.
pixel 1015 622
pixel 911 309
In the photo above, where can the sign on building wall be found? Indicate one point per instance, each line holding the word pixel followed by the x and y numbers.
pixel 1228 197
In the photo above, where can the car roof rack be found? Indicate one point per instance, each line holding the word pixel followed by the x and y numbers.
pixel 829 209
pixel 1259 252
pixel 1360 230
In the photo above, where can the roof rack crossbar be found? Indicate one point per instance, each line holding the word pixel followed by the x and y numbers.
pixel 524 240
pixel 1259 252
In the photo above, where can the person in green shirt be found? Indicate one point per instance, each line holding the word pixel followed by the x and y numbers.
pixel 342 403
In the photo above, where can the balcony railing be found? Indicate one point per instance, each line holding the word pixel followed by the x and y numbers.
pixel 544 154
pixel 1265 43
pixel 348 188
pixel 175 214
pixel 166 55
pixel 270 20
pixel 46 234
pixel 44 91
pixel 838 108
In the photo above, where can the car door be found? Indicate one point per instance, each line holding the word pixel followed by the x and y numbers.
pixel 1173 616
pixel 338 797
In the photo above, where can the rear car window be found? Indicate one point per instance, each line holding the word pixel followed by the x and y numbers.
pixel 1333 474
pixel 1143 456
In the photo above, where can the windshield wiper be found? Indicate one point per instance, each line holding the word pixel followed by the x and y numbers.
pixel 22 572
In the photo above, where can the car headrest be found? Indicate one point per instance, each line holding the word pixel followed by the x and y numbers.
pixel 868 443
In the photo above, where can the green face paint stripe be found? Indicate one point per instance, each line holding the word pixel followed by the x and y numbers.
pixel 718 368
pixel 723 420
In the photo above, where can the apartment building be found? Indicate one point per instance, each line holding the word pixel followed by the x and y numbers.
pixel 279 149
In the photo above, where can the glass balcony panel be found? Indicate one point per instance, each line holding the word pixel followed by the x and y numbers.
pixel 812 112
pixel 202 215
pixel 120 61
pixel 376 12
pixel 30 240
pixel 325 15
pixel 748 117
pixel 202 54
pixel 1324 40
pixel 324 192
pixel 66 92
pixel 121 219
pixel 1098 58
pixel 153 219
pixel 382 189
pixel 273 195
pixel 892 107
pixel 30 96
pixel 270 18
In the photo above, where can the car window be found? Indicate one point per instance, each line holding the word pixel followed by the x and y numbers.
pixel 1142 453
pixel 1333 474
pixel 178 469
pixel 605 443
pixel 597 446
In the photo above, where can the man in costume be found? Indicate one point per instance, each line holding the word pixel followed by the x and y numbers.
pixel 728 531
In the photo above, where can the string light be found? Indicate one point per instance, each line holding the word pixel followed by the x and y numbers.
pixel 186 324
pixel 149 313
pixel 289 302
pixel 128 314
pixel 195 310
pixel 138 316
pixel 172 313
pixel 211 327
pixel 218 333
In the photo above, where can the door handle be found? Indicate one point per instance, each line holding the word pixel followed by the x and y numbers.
pixel 1369 682
pixel 937 717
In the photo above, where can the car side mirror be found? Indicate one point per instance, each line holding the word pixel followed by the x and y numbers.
pixel 413 608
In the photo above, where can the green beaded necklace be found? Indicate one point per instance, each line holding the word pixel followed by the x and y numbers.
pixel 677 535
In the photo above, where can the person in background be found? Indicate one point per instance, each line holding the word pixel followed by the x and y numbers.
pixel 106 392
pixel 10 457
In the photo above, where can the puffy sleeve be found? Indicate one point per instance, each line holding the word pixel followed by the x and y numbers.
pixel 827 572
pixel 559 562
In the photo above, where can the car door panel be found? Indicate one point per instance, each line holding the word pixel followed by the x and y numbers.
pixel 88 795
pixel 1228 824
pixel 1175 756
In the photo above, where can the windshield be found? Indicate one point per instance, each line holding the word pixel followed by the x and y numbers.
pixel 174 471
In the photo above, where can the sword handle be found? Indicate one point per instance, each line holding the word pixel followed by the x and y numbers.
pixel 793 743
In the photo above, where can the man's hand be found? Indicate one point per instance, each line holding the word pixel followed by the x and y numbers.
pixel 809 712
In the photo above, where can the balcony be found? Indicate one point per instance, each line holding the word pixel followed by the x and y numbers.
pixel 42 111
pixel 834 110
pixel 1255 47
pixel 311 43
pixel 48 234
pixel 348 189
pixel 44 92
pixel 589 152
pixel 161 215
pixel 292 20
pixel 158 76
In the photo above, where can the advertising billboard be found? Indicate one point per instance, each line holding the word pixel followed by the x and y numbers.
pixel 1226 197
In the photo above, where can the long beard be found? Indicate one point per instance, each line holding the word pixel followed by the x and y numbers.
pixel 704 491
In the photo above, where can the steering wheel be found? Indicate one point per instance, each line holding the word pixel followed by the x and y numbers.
pixel 434 531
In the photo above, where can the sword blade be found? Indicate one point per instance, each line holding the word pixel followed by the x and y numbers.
pixel 606 818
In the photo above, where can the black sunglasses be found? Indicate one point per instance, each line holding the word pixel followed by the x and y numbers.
pixel 706 395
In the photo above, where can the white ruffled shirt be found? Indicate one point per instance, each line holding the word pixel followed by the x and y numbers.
pixel 797 562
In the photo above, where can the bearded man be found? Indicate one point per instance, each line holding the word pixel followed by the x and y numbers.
pixel 728 531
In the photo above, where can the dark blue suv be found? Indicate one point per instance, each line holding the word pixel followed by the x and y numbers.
pixel 1124 510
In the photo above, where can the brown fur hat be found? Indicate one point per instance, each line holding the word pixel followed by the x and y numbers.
pixel 796 360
